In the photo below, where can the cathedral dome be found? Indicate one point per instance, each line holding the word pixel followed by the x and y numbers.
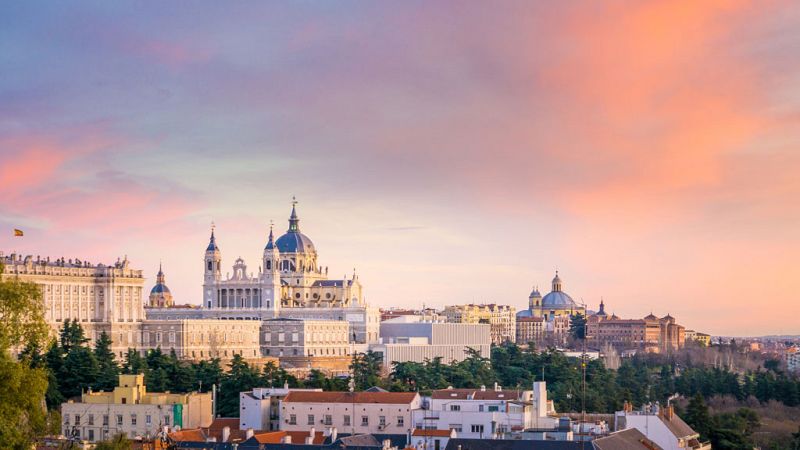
pixel 294 241
pixel 160 296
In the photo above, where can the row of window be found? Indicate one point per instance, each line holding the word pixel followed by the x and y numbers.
pixel 327 420
pixel 148 420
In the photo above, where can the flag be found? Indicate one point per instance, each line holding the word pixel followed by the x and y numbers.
pixel 18 232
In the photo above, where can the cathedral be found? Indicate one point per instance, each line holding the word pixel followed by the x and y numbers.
pixel 557 303
pixel 289 277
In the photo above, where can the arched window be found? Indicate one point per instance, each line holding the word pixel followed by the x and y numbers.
pixel 209 266
pixel 269 265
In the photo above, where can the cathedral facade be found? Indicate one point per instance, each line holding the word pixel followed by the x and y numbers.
pixel 289 277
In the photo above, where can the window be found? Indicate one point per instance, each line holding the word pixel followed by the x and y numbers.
pixel 166 420
pixel 292 419
pixel 91 435
pixel 77 419
pixel 347 420
pixel 364 421
pixel 400 421
pixel 455 407
pixel 105 420
pixel 382 421
pixel 148 420
pixel 480 408
pixel 133 419
pixel 119 419
pixel 310 419
pixel 91 419
pixel 172 337
pixel 66 419
pixel 494 408
pixel 328 419
pixel 477 428
pixel 455 426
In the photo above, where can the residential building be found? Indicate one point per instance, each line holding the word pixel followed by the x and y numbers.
pixel 423 439
pixel 630 439
pixel 487 413
pixel 409 338
pixel 530 330
pixel 697 337
pixel 259 409
pixel 350 412
pixel 792 356
pixel 130 409
pixel 660 425
pixel 506 444
pixel 501 318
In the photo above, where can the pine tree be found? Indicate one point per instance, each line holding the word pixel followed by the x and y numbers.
pixel 577 326
pixel 698 417
pixel 107 367
pixel 134 363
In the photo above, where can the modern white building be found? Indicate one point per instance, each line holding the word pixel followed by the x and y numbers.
pixel 488 413
pixel 259 409
pixel 409 338
pixel 660 425
pixel 350 412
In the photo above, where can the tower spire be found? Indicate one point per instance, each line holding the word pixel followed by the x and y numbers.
pixel 212 242
pixel 294 221
pixel 271 239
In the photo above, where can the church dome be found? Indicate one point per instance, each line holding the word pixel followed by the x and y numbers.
pixel 160 289
pixel 294 241
pixel 558 298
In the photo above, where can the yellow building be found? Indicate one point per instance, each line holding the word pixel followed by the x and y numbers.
pixel 130 409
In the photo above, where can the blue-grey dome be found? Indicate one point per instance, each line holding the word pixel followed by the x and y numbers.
pixel 294 242
pixel 524 313
pixel 558 299
pixel 160 289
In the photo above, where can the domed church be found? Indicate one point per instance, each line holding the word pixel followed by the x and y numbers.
pixel 160 296
pixel 554 304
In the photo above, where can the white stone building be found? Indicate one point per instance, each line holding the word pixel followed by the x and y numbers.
pixel 100 297
pixel 203 338
pixel 350 412
pixel 305 337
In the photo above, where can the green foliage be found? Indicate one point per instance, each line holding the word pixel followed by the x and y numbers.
pixel 22 413
pixel 118 442
pixel 577 326
pixel 107 367
pixel 21 314
pixel 366 369
pixel 241 377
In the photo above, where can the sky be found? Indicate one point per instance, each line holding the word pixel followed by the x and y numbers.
pixel 448 152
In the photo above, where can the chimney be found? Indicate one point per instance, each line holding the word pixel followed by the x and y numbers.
pixel 669 412
pixel 483 388
pixel 496 387
pixel 311 434
pixel 249 433
pixel 286 439
pixel 226 434
pixel 387 444
pixel 334 434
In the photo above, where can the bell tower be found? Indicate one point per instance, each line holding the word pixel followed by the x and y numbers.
pixel 271 277
pixel 212 272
